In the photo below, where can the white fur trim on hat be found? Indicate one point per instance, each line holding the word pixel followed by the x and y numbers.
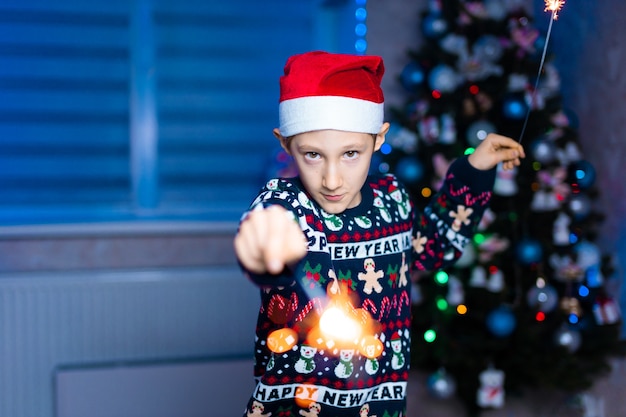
pixel 306 114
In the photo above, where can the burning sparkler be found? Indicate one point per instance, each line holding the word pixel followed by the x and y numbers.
pixel 555 7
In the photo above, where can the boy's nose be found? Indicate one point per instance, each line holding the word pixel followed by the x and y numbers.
pixel 332 178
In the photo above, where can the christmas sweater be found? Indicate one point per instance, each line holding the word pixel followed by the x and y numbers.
pixel 363 257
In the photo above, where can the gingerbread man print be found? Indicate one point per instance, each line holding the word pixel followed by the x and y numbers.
pixel 461 217
pixel 371 277
pixel 257 410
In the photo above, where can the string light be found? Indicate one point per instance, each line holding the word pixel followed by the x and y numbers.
pixel 360 28
pixel 430 335
pixel 441 277
pixel 442 304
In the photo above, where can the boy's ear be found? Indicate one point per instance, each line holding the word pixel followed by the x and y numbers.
pixel 284 143
pixel 380 136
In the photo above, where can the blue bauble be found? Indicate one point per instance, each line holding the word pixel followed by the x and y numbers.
pixel 412 76
pixel 478 131
pixel 441 385
pixel 434 26
pixel 514 107
pixel 409 170
pixel 582 173
pixel 544 150
pixel 580 205
pixel 443 78
pixel 501 322
pixel 543 298
pixel 529 251
pixel 488 47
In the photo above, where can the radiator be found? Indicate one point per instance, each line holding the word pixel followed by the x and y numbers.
pixel 52 321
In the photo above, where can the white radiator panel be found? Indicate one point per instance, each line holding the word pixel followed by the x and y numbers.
pixel 84 318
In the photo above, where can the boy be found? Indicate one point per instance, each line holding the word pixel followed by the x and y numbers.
pixel 335 230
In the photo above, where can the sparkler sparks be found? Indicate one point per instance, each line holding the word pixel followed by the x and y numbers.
pixel 554 6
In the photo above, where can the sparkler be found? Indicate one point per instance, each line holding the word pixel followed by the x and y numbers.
pixel 340 326
pixel 555 7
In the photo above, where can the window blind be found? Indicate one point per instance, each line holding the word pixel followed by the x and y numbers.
pixel 200 79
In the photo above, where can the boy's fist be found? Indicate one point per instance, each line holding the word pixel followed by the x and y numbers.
pixel 268 240
pixel 495 149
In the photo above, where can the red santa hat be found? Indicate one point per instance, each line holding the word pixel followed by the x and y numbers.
pixel 320 90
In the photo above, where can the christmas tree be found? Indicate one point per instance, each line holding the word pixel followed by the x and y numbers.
pixel 528 304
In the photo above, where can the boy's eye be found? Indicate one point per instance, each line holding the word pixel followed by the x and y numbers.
pixel 352 154
pixel 312 155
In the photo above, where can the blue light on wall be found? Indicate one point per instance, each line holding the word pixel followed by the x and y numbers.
pixel 360 30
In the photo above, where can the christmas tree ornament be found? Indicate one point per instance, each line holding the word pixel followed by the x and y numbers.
pixel 434 26
pixel 478 131
pixel 456 294
pixel 543 150
pixel 467 258
pixel 488 47
pixel 542 297
pixel 553 190
pixel 428 129
pixel 474 68
pixel 560 230
pixel 441 384
pixel 529 251
pixel 496 9
pixel 588 258
pixel 569 154
pixel 455 45
pixel 571 305
pixel 568 338
pixel 443 78
pixel 565 268
pixel 491 246
pixel 399 137
pixel 409 170
pixel 582 173
pixel 491 392
pixel 501 321
pixel 580 205
pixel 412 76
pixel 448 130
pixel 496 280
pixel 505 184
pixel 606 310
pixel 478 277
pixel 514 107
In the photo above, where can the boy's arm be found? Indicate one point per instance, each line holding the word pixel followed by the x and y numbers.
pixel 450 220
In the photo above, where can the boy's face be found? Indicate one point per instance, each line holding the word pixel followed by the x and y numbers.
pixel 333 165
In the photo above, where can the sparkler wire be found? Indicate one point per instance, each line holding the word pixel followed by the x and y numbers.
pixel 534 92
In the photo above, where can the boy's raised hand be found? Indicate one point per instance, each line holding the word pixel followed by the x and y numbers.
pixel 268 240
pixel 495 149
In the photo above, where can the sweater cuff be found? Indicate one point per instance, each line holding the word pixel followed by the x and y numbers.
pixel 478 180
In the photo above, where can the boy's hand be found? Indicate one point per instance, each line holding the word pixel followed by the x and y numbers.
pixel 268 240
pixel 495 149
